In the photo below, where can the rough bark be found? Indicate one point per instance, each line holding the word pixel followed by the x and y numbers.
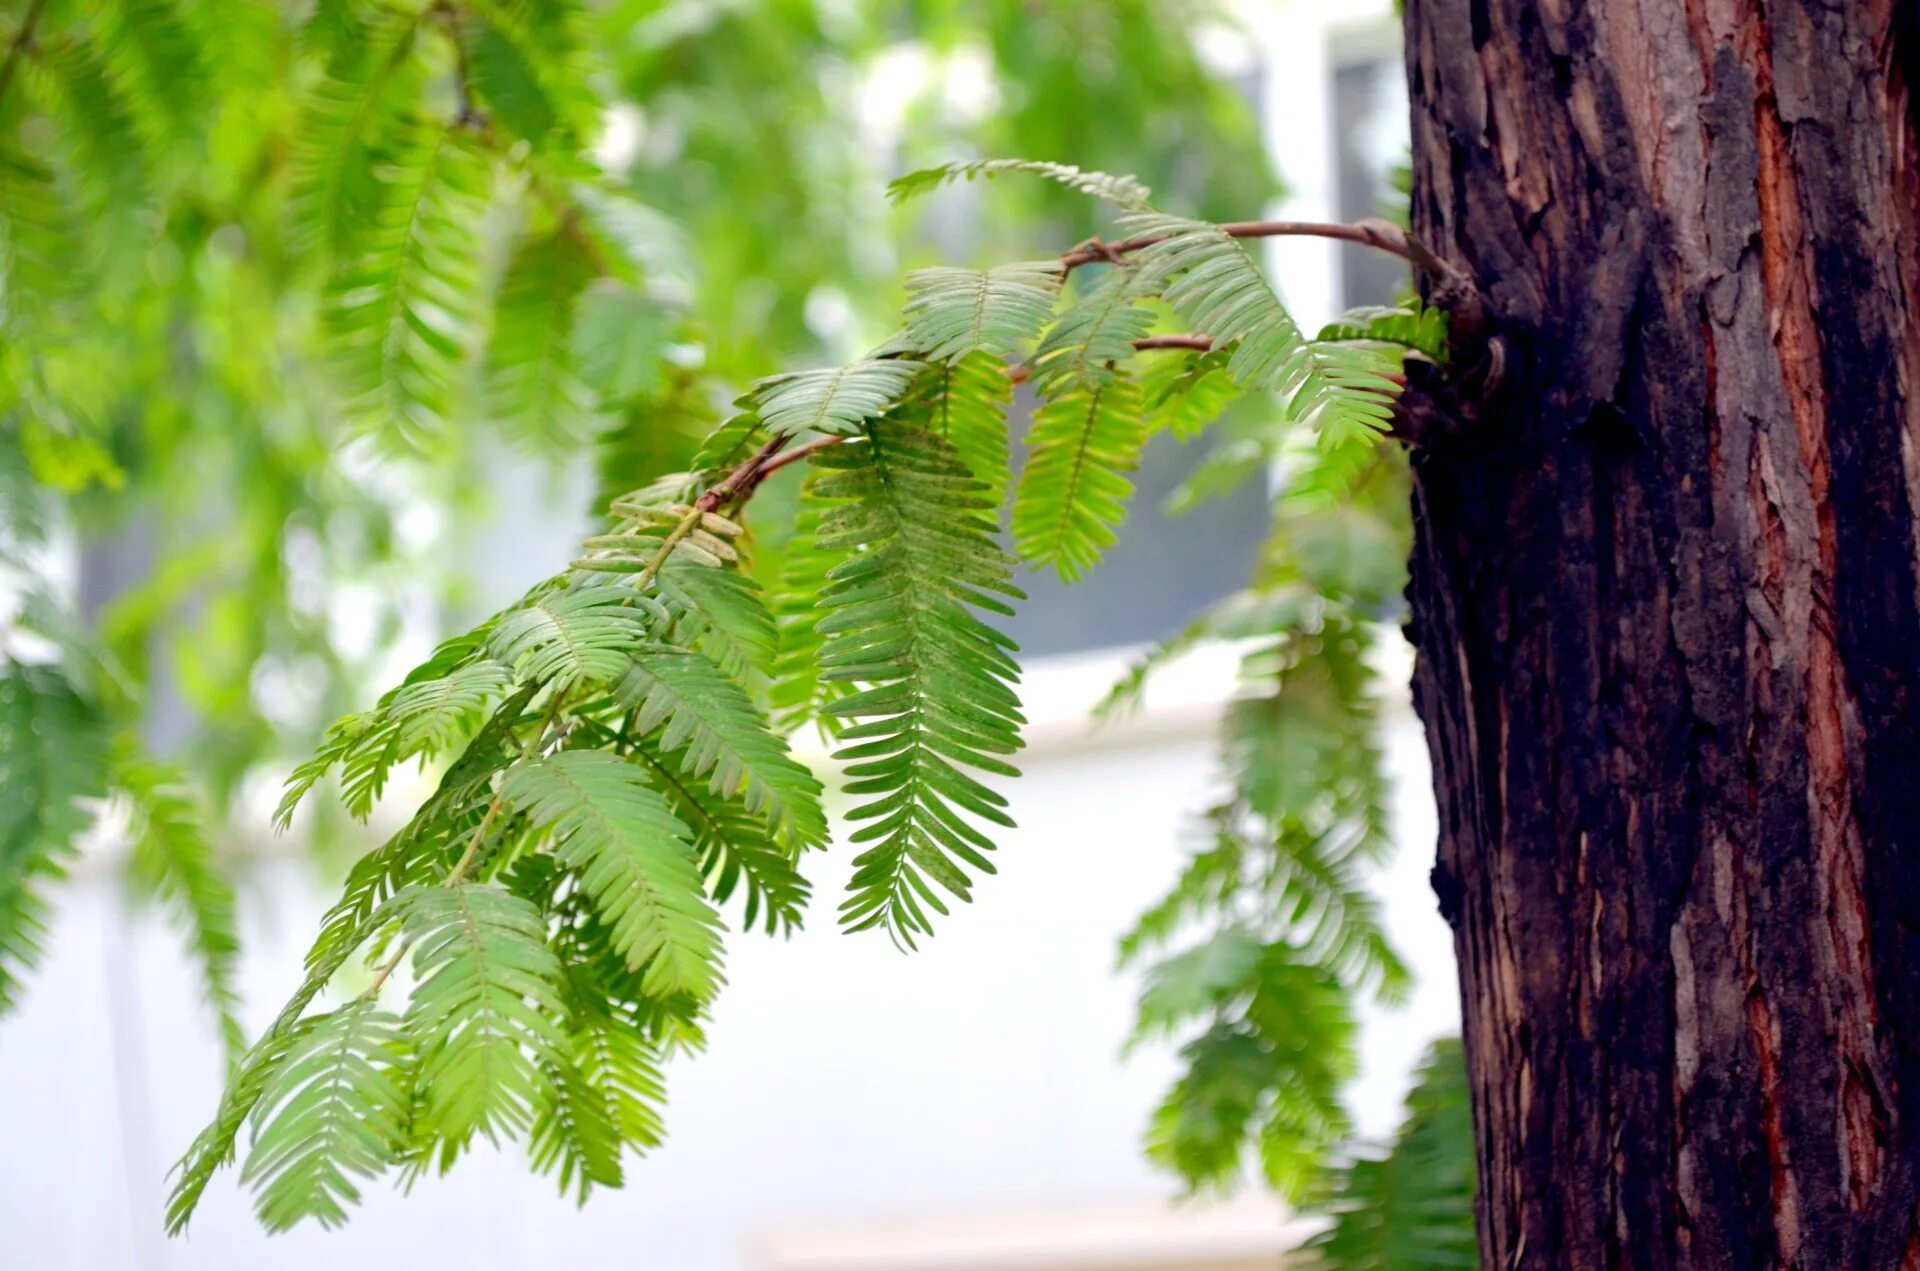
pixel 1667 610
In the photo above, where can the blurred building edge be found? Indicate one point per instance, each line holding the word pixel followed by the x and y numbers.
pixel 1250 1233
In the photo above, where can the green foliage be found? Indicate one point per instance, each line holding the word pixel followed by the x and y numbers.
pixel 359 131
pixel 401 314
pixel 616 773
pixel 1344 391
pixel 1281 864
pixel 172 860
pixel 1268 1067
pixel 1095 334
pixel 299 255
pixel 936 695
pixel 722 738
pixel 1284 870
pixel 53 753
pixel 229 249
pixel 533 384
pixel 831 401
pixel 966 401
pixel 1074 488
pixel 569 639
pixel 334 1110
pixel 1186 395
pixel 486 1011
pixel 617 834
pixel 1122 191
pixel 1411 1207
pixel 737 851
pixel 954 312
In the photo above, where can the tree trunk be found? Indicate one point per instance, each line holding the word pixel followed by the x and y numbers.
pixel 1668 624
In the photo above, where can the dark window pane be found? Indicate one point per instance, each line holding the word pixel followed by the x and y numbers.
pixel 1370 136
pixel 1158 576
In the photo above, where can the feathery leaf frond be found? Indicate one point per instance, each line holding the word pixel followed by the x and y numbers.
pixel 172 860
pixel 1186 394
pixel 1095 334
pixel 333 1110
pixel 400 314
pixel 1073 492
pixel 736 850
pixel 1344 391
pixel 1409 1208
pixel 359 129
pixel 799 695
pixel 213 1147
pixel 1270 1069
pixel 1123 191
pixel 836 401
pixel 485 1014
pixel 966 403
pixel 440 701
pixel 570 638
pixel 524 61
pixel 574 1134
pixel 936 696
pixel 954 312
pixel 53 754
pixel 532 377
pixel 721 737
pixel 634 858
pixel 1411 325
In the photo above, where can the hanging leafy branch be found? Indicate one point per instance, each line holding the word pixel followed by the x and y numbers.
pixel 615 774
pixel 1408 1207
pixel 381 223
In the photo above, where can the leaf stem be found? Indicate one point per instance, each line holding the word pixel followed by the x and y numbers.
pixel 1383 235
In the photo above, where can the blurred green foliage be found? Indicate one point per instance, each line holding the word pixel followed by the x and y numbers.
pixel 286 289
pixel 251 253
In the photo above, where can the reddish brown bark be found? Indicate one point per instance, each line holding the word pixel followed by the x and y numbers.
pixel 1667 608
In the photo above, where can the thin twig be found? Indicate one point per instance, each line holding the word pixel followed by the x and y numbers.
pixel 1016 375
pixel 392 964
pixel 17 47
pixel 742 480
pixel 1200 343
pixel 461 866
pixel 797 454
pixel 1381 234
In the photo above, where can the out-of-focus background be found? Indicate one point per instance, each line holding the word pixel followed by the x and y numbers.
pixel 965 1107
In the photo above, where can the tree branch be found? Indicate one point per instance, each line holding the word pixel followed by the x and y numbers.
pixel 1380 234
pixel 1199 343
pixel 1384 235
pixel 745 478
pixel 795 455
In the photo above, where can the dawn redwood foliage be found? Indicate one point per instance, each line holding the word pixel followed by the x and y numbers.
pixel 613 780
pixel 1658 398
pixel 614 785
